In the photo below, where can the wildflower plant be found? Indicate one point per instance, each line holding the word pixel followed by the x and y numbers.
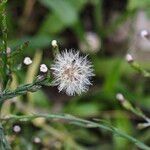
pixel 71 72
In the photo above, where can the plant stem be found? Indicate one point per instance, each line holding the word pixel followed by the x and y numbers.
pixel 79 122
pixel 137 67
pixel 21 90
pixel 4 50
pixel 4 145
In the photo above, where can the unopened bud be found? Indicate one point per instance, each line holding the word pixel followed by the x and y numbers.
pixel 120 97
pixel 27 61
pixel 43 68
pixel 17 128
pixel 129 58
pixel 54 43
pixel 144 33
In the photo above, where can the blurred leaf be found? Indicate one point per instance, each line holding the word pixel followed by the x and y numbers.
pixel 122 123
pixel 2 5
pixel 54 24
pixel 78 4
pixel 51 25
pixel 34 42
pixel 113 77
pixel 40 99
pixel 62 8
pixel 86 109
pixel 135 4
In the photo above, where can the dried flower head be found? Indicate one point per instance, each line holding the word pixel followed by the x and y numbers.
pixel 72 72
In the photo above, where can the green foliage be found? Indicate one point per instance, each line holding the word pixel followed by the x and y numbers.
pixel 136 4
pixel 68 21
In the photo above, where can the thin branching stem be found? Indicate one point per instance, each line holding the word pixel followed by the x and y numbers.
pixel 21 90
pixel 80 122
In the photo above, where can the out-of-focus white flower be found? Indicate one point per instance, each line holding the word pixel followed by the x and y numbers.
pixel 27 61
pixel 129 58
pixel 92 43
pixel 72 72
pixel 37 140
pixel 17 128
pixel 8 50
pixel 120 97
pixel 54 43
pixel 43 68
pixel 144 33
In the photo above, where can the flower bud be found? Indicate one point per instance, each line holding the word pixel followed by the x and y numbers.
pixel 129 58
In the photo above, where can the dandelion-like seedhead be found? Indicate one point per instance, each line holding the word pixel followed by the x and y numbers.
pixel 72 72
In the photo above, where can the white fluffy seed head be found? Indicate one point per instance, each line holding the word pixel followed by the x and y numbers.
pixel 27 61
pixel 54 43
pixel 129 58
pixel 72 72
pixel 43 68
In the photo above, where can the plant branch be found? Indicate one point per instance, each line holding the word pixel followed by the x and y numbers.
pixel 4 145
pixel 21 90
pixel 138 68
pixel 5 68
pixel 80 122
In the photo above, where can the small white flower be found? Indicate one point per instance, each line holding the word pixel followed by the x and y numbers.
pixel 17 128
pixel 27 61
pixel 144 33
pixel 72 72
pixel 43 68
pixel 54 43
pixel 120 97
pixel 129 58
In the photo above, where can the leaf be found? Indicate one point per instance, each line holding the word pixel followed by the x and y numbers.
pixel 112 77
pixel 51 25
pixel 2 5
pixel 122 123
pixel 39 41
pixel 88 109
pixel 63 9
pixel 136 4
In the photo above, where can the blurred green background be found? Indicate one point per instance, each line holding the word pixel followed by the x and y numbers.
pixel 104 29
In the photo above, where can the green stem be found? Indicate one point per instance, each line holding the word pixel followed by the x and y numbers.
pixel 21 90
pixel 4 51
pixel 4 145
pixel 79 122
pixel 137 67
